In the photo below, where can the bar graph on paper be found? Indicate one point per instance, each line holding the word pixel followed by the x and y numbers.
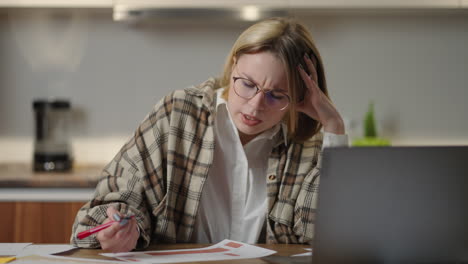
pixel 224 250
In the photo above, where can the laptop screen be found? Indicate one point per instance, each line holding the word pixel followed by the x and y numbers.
pixel 392 205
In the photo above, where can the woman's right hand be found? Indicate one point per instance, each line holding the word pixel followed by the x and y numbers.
pixel 118 238
pixel 316 104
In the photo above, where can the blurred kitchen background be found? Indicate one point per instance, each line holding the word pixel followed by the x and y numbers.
pixel 408 57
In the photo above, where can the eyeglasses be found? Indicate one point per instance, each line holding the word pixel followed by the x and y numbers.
pixel 247 89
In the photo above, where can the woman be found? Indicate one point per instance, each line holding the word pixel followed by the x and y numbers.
pixel 233 158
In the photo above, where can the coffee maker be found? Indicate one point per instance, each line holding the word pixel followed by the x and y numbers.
pixel 52 150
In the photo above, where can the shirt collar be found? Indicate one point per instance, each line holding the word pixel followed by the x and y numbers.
pixel 268 134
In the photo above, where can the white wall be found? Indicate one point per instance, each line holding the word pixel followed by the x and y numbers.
pixel 413 65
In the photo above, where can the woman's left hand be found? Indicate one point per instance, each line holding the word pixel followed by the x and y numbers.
pixel 316 104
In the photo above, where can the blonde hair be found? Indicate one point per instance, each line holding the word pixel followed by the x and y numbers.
pixel 289 41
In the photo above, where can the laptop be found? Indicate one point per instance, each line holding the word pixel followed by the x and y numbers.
pixel 393 205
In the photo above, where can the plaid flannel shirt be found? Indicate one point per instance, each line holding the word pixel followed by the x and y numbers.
pixel 158 176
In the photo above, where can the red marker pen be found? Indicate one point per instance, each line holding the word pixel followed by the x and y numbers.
pixel 98 228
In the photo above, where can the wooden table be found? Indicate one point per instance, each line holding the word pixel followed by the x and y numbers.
pixel 282 249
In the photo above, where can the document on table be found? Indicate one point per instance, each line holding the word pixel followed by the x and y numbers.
pixel 35 249
pixel 224 250
pixel 304 254
pixel 12 249
pixel 24 249
pixel 50 259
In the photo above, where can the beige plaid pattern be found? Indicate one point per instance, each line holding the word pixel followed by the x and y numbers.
pixel 158 176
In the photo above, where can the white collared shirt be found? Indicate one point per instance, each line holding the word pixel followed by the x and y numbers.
pixel 234 199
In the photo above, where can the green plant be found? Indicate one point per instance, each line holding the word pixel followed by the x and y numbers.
pixel 370 131
pixel 369 122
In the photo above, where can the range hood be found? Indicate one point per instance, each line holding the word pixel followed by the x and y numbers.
pixel 180 10
pixel 224 10
pixel 244 10
pixel 252 10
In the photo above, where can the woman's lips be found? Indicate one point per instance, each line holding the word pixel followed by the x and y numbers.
pixel 250 120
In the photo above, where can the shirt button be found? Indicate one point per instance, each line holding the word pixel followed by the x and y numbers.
pixel 272 177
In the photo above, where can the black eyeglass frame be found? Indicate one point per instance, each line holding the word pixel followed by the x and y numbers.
pixel 234 78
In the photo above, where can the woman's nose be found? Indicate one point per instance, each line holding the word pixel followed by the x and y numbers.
pixel 258 101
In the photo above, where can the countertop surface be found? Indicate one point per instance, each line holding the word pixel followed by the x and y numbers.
pixel 19 175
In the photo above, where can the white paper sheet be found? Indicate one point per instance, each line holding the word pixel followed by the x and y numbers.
pixel 35 249
pixel 304 254
pixel 12 249
pixel 49 259
pixel 224 250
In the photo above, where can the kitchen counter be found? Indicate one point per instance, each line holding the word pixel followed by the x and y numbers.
pixel 19 175
pixel 46 194
pixel 19 183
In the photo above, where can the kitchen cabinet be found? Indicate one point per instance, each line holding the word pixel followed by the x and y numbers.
pixel 37 222
pixel 41 207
